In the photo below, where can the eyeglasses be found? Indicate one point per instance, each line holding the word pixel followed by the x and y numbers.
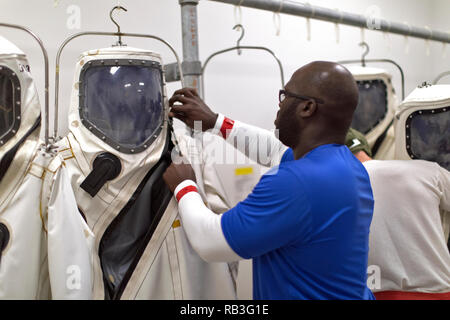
pixel 283 94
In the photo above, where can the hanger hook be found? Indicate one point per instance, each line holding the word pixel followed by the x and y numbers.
pixel 114 21
pixel 363 58
pixel 237 27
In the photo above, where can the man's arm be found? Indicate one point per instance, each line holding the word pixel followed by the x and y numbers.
pixel 203 227
pixel 272 216
pixel 257 144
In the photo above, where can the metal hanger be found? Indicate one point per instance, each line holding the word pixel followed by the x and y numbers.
pixel 95 33
pixel 119 43
pixel 364 61
pixel 48 144
pixel 238 43
pixel 364 55
pixel 440 76
pixel 239 49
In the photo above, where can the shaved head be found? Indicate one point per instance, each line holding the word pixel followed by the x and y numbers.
pixel 334 84
pixel 329 112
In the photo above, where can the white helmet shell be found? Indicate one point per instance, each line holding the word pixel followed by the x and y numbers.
pixel 422 125
pixel 377 102
pixel 23 111
pixel 91 139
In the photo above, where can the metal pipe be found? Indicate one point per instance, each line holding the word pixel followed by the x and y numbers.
pixel 346 18
pixel 115 34
pixel 46 72
pixel 191 59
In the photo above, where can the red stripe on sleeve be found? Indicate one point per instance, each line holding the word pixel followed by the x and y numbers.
pixel 184 191
pixel 227 126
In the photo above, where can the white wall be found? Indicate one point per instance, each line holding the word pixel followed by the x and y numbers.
pixel 440 18
pixel 242 87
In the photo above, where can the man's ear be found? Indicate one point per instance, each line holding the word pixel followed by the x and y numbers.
pixel 307 109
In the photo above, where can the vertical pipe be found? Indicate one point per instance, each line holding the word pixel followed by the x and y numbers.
pixel 192 70
pixel 191 61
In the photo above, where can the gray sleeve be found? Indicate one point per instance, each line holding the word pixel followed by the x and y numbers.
pixel 444 185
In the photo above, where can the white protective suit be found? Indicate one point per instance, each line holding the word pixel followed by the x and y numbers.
pixel 409 230
pixel 46 245
pixel 119 106
pixel 411 223
pixel 375 112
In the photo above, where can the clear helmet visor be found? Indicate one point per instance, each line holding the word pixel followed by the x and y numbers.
pixel 427 136
pixel 372 105
pixel 122 103
pixel 9 104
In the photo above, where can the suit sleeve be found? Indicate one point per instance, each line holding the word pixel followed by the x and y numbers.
pixel 70 244
pixel 260 145
pixel 444 183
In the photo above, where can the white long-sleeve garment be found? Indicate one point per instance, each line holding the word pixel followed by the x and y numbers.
pixel 410 226
pixel 260 145
pixel 203 227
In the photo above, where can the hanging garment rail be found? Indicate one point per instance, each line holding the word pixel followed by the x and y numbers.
pixel 345 18
pixel 280 66
pixel 364 61
pixel 239 49
pixel 46 77
pixel 402 74
pixel 441 76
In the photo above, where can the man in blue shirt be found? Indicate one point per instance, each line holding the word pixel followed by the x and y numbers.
pixel 306 223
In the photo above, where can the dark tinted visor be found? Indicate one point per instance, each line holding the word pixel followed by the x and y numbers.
pixel 428 136
pixel 9 104
pixel 122 102
pixel 372 105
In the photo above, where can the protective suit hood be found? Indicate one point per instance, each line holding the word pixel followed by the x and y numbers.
pixel 19 118
pixel 376 107
pixel 119 93
pixel 422 125
pixel 19 101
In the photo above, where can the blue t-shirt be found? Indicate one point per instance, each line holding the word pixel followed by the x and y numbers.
pixel 306 226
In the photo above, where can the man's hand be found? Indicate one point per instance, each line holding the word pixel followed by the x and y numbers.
pixel 192 109
pixel 177 173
